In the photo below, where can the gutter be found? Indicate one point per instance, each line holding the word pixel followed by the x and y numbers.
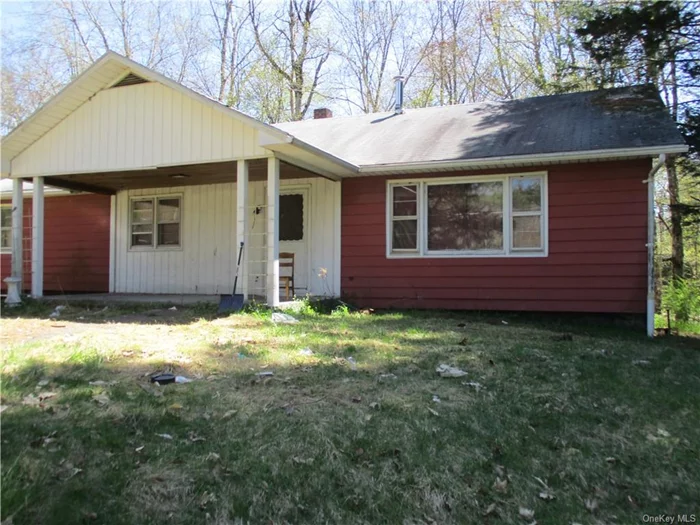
pixel 496 162
pixel 651 226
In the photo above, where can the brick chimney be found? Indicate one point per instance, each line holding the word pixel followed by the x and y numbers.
pixel 322 113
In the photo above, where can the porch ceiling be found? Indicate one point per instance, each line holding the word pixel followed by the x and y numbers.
pixel 110 183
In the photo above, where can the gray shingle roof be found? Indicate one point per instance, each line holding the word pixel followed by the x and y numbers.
pixel 595 120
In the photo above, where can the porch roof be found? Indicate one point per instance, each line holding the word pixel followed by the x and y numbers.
pixel 109 183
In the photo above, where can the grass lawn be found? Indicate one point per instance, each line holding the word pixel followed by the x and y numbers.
pixel 599 426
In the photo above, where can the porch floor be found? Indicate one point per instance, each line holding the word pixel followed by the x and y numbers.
pixel 134 298
pixel 172 299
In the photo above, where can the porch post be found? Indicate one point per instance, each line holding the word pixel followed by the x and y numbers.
pixel 273 245
pixel 38 237
pixel 17 229
pixel 242 222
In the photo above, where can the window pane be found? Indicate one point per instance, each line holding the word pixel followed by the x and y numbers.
pixel 291 217
pixel 142 239
pixel 142 212
pixel 6 238
pixel 6 217
pixel 527 194
pixel 465 216
pixel 405 201
pixel 168 210
pixel 527 232
pixel 404 236
pixel 142 228
pixel 169 234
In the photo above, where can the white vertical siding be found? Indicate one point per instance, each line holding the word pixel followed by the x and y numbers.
pixel 134 127
pixel 206 262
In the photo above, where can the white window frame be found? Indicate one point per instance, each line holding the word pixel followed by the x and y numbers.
pixel 7 249
pixel 508 214
pixel 154 246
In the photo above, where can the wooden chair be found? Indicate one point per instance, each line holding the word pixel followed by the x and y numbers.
pixel 287 261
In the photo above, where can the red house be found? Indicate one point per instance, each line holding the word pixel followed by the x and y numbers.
pixel 541 204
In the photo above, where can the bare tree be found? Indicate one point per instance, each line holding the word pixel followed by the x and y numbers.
pixel 295 51
pixel 367 29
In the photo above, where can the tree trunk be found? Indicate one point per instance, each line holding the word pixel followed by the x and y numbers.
pixel 676 220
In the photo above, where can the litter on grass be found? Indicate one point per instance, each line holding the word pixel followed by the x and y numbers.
pixel 57 311
pixel 282 318
pixel 267 373
pixel 353 364
pixel 476 386
pixel 306 351
pixel 166 379
pixel 450 371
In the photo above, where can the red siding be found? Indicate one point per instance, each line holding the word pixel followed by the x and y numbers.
pixel 596 262
pixel 76 244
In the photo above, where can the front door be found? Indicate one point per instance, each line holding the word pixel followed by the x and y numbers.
pixel 294 236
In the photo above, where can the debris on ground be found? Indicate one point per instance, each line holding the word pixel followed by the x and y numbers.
pixel 306 351
pixel 436 399
pixel 641 362
pixel 102 383
pixel 57 311
pixel 165 436
pixel 101 399
pixel 282 318
pixel 266 373
pixel 353 363
pixel 463 342
pixel 386 376
pixel 168 378
pixel 450 371
pixel 433 412
pixel 173 308
pixel 526 513
pixel 473 384
pixel 374 405
pixel 357 399
pixel 194 438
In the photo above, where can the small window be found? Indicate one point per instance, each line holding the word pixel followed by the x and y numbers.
pixel 404 226
pixel 6 228
pixel 292 217
pixel 155 222
pixel 526 199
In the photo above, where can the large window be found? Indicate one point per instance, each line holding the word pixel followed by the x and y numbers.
pixel 5 228
pixel 484 216
pixel 155 222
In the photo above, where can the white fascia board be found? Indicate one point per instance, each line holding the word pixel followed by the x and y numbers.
pixel 496 162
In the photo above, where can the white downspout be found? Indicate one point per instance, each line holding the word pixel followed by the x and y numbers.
pixel 651 226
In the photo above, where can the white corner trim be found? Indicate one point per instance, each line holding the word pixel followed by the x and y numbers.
pixel 112 242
